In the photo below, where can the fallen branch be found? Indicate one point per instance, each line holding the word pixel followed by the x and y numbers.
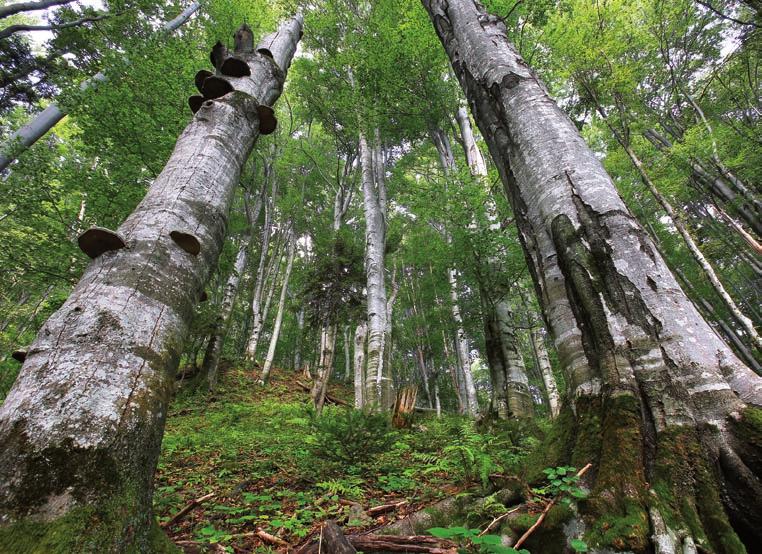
pixel 497 519
pixel 414 543
pixel 328 397
pixel 544 513
pixel 270 539
pixel 188 508
pixel 376 510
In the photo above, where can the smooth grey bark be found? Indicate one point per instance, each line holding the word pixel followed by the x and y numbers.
pixel 82 426
pixel 682 229
pixel 374 204
pixel 18 7
pixel 281 306
pixel 211 362
pixel 632 345
pixel 546 371
pixel 33 131
pixel 361 332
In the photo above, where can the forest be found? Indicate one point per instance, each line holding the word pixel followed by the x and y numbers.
pixel 380 276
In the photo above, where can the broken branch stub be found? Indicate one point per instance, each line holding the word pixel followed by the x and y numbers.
pixel 216 87
pixel 19 355
pixel 267 120
pixel 244 39
pixel 97 240
pixel 265 52
pixel 187 242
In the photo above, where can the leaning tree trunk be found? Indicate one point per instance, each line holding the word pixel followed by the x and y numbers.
pixel 82 426
pixel 375 241
pixel 658 402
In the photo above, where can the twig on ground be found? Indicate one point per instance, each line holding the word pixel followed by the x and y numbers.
pixel 187 509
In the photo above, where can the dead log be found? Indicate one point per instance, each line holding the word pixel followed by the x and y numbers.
pixel 409 543
pixel 328 397
pixel 333 540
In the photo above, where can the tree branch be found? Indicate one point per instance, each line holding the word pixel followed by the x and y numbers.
pixel 8 31
pixel 714 10
pixel 12 9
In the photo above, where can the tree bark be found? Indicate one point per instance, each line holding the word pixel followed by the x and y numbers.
pixel 473 154
pixel 82 426
pixel 374 202
pixel 325 365
pixel 516 381
pixel 656 397
pixel 461 347
pixel 281 306
pixel 299 339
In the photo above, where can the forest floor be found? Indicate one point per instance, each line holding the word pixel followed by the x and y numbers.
pixel 268 473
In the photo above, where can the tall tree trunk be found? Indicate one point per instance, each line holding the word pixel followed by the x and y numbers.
pixel 347 353
pixel 33 131
pixel 461 347
pixel 656 397
pixel 455 377
pixel 677 221
pixel 374 202
pixel 281 306
pixel 213 352
pixel 325 366
pixel 546 371
pixel 516 381
pixel 299 339
pixel 361 332
pixel 82 426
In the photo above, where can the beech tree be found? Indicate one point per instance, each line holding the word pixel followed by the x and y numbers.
pixel 82 426
pixel 642 365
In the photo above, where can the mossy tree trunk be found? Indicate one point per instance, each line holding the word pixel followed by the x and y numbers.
pixel 657 401
pixel 81 429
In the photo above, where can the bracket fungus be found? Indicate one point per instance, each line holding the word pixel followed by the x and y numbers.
pixel 235 67
pixel 265 52
pixel 187 242
pixel 97 240
pixel 19 355
pixel 218 54
pixel 267 120
pixel 202 76
pixel 195 103
pixel 215 87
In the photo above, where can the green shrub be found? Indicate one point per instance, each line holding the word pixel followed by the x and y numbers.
pixel 350 437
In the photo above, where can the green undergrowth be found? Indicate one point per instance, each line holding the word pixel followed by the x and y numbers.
pixel 274 466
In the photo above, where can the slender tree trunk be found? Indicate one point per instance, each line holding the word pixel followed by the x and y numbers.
pixel 325 366
pixel 375 240
pixel 473 154
pixel 461 347
pixel 33 131
pixel 656 397
pixel 213 352
pixel 281 306
pixel 82 426
pixel 361 332
pixel 457 380
pixel 299 338
pixel 437 401
pixel 347 353
pixel 546 371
